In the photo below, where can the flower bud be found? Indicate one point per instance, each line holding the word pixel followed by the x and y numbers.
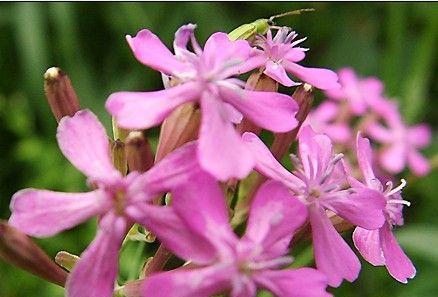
pixel 180 127
pixel 66 260
pixel 60 93
pixel 18 249
pixel 138 152
pixel 119 156
pixel 303 95
pixel 258 81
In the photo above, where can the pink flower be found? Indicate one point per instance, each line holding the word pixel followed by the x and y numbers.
pixel 401 143
pixel 380 247
pixel 318 182
pixel 358 93
pixel 281 54
pixel 83 141
pixel 323 120
pixel 205 76
pixel 220 261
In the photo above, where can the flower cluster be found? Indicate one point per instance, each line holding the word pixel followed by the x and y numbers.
pixel 360 105
pixel 203 163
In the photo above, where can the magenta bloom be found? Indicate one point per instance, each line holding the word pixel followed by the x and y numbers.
pixel 319 181
pixel 323 119
pixel 281 54
pixel 83 141
pixel 401 143
pixel 205 76
pixel 358 93
pixel 380 247
pixel 220 261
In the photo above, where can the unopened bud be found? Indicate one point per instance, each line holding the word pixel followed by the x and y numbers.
pixel 257 81
pixel 60 93
pixel 138 152
pixel 303 95
pixel 179 128
pixel 19 250
pixel 119 156
pixel 66 260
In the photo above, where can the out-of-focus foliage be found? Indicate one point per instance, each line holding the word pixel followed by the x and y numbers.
pixel 394 41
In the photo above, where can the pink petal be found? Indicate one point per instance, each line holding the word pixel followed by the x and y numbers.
pixel 333 256
pixel 173 232
pixel 83 141
pixel 326 111
pixel 221 150
pixel 201 282
pixel 397 263
pixel 220 50
pixel 201 204
pixel 266 163
pixel 367 243
pixel 274 215
pixel 315 151
pixel 277 73
pixel 420 135
pixel 393 158
pixel 45 213
pixel 182 37
pixel 141 110
pixel 295 55
pixel 243 287
pixel 234 115
pixel 302 282
pixel 379 133
pixel 338 132
pixel 95 273
pixel 272 111
pixel 419 165
pixel 150 51
pixel 173 170
pixel 364 208
pixel 257 59
pixel 364 158
pixel 269 110
pixel 323 79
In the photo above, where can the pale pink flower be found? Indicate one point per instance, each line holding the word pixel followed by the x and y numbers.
pixel 205 76
pixel 401 143
pixel 323 119
pixel 360 94
pixel 380 247
pixel 83 141
pixel 280 55
pixel 220 262
pixel 318 181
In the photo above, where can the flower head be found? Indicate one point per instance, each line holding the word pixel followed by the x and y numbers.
pixel 400 143
pixel 83 141
pixel 380 247
pixel 319 181
pixel 205 76
pixel 221 262
pixel 360 94
pixel 281 54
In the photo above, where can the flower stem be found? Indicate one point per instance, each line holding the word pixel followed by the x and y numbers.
pixel 162 255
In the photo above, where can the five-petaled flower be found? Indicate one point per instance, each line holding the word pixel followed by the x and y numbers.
pixel 380 247
pixel 205 76
pixel 318 181
pixel 280 54
pixel 83 141
pixel 400 142
pixel 220 262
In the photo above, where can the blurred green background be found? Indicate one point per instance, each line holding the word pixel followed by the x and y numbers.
pixel 395 41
